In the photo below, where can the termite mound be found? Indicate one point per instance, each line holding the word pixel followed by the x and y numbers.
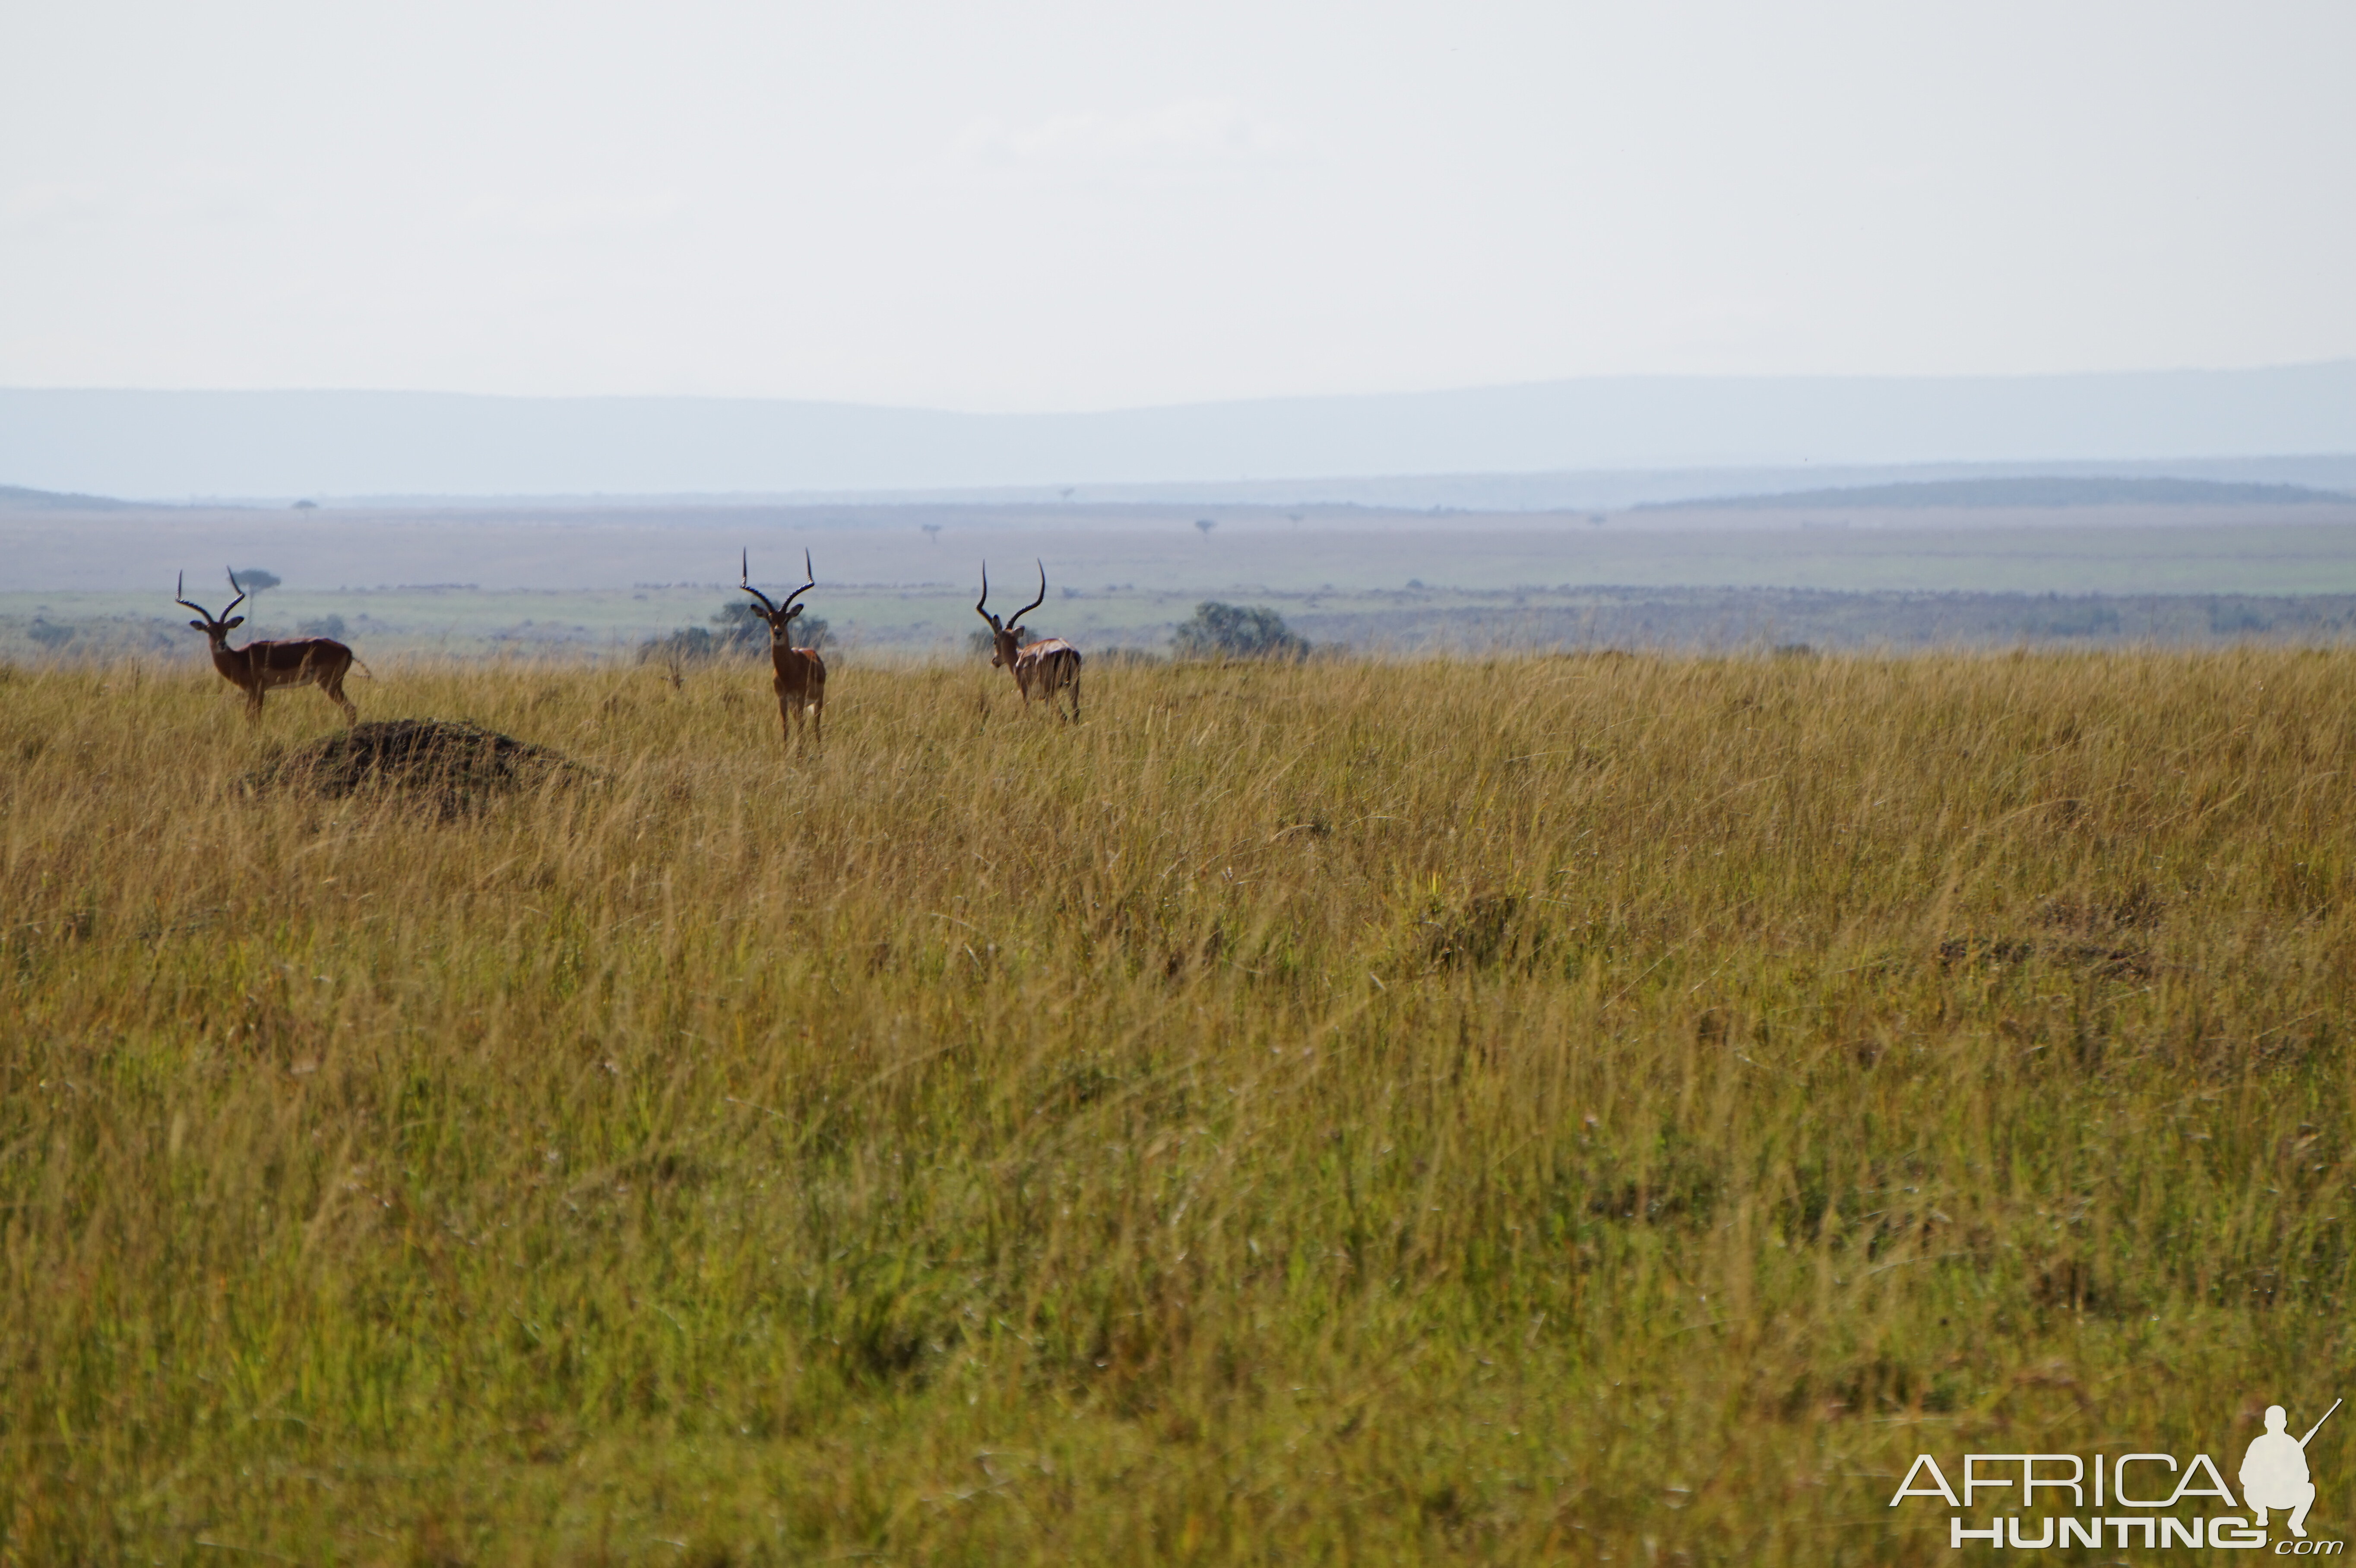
pixel 447 764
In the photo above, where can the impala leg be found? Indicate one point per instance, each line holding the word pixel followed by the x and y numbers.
pixel 253 702
pixel 334 690
pixel 818 722
pixel 1075 700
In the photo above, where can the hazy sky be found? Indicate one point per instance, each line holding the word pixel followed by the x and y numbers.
pixel 1015 206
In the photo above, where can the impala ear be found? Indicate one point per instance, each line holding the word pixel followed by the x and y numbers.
pixel 795 611
pixel 232 624
pixel 199 626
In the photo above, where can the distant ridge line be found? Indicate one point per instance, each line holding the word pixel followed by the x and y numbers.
pixel 16 498
pixel 177 445
pixel 2034 490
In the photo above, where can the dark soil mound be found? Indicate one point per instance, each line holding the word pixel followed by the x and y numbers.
pixel 449 762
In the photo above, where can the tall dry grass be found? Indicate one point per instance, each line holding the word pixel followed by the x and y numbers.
pixel 1351 1112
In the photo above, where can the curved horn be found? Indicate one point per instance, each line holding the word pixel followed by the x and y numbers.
pixel 241 593
pixel 745 583
pixel 181 596
pixel 985 598
pixel 805 587
pixel 1035 603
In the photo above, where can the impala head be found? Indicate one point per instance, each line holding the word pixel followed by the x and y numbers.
pixel 216 628
pixel 1005 636
pixel 779 616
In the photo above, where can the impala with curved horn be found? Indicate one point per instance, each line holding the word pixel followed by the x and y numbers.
pixel 801 674
pixel 260 666
pixel 1046 666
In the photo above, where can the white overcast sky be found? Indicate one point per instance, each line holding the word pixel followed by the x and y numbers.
pixel 1033 207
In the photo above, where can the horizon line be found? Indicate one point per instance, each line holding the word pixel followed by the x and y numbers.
pixel 1743 377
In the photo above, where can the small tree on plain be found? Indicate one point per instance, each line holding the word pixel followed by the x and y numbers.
pixel 1237 632
pixel 253 580
pixel 743 633
pixel 741 630
pixel 1206 525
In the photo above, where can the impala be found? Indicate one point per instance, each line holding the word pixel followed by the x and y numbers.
pixel 801 674
pixel 1046 666
pixel 258 666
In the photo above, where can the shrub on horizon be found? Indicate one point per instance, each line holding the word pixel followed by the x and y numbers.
pixel 1237 632
pixel 742 633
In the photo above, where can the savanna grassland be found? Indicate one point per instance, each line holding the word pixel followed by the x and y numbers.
pixel 1600 1107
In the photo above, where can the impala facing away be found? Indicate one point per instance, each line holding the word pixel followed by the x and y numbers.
pixel 259 666
pixel 801 674
pixel 1046 666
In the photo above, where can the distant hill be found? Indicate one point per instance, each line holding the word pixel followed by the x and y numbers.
pixel 2036 490
pixel 16 498
pixel 180 444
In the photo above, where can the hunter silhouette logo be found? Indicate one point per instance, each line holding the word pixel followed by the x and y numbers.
pixel 2152 1500
pixel 2274 1472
